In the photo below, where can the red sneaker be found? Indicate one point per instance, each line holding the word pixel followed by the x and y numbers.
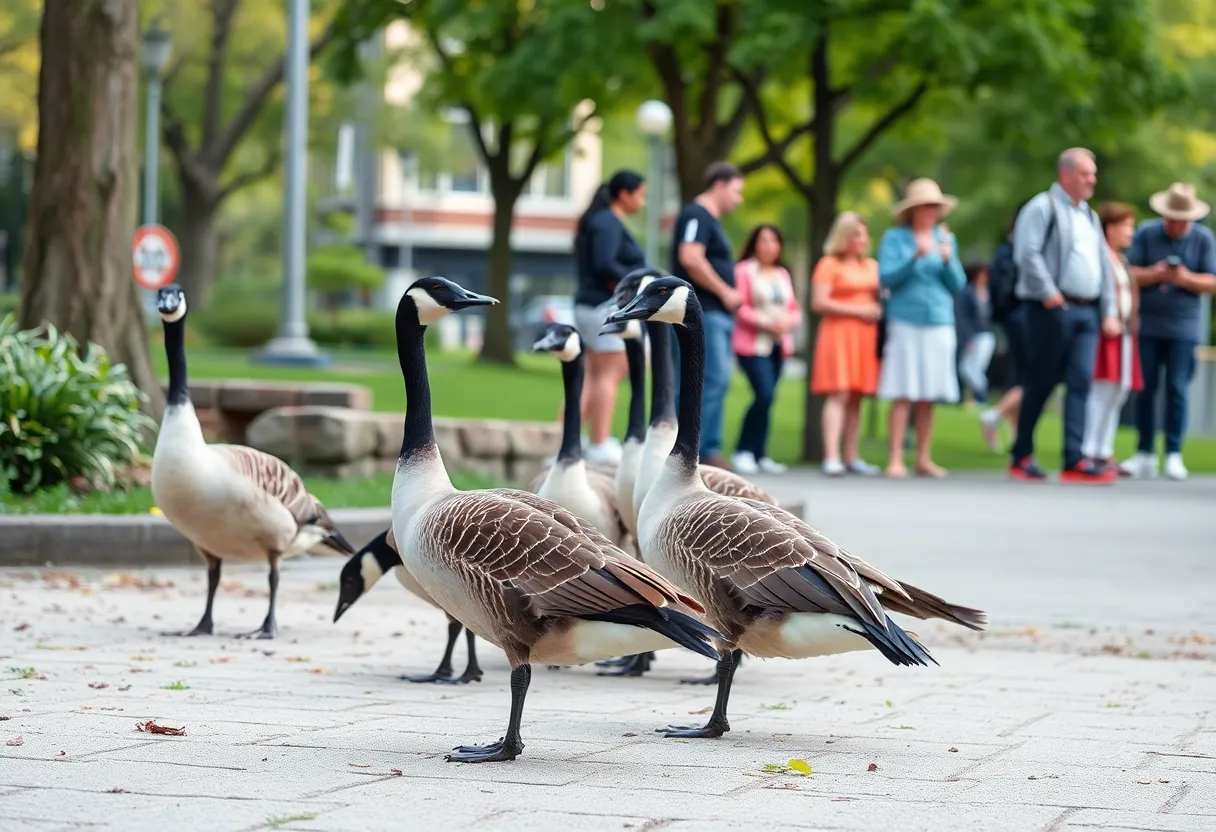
pixel 1027 470
pixel 1088 472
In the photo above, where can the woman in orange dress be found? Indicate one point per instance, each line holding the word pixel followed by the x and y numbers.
pixel 844 292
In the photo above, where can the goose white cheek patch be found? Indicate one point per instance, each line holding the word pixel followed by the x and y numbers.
pixel 571 349
pixel 672 312
pixel 429 310
pixel 176 315
pixel 370 570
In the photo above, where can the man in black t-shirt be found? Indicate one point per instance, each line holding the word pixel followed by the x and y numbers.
pixel 701 254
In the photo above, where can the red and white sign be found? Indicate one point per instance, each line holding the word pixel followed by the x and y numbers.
pixel 156 256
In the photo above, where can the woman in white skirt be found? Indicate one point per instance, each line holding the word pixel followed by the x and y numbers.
pixel 918 264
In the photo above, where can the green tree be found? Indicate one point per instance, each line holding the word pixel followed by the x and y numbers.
pixel 526 76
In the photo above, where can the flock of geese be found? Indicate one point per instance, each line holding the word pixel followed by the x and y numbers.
pixel 593 563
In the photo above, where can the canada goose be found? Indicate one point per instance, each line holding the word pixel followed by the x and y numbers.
pixel 772 585
pixel 230 501
pixel 508 563
pixel 634 336
pixel 370 564
pixel 584 493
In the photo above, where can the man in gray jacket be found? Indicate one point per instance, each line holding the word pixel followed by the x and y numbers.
pixel 1066 282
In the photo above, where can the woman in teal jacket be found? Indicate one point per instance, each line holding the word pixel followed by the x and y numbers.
pixel 918 265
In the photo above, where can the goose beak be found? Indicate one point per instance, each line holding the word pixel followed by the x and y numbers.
pixel 343 606
pixel 467 299
pixel 638 309
pixel 549 342
pixel 613 329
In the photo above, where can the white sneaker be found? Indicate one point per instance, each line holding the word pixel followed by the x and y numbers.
pixel 744 462
pixel 606 452
pixel 861 467
pixel 1174 469
pixel 1142 466
pixel 771 466
pixel 990 420
pixel 833 468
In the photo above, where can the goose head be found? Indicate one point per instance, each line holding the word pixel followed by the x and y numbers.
pixel 664 299
pixel 632 283
pixel 434 297
pixel 171 303
pixel 363 570
pixel 560 340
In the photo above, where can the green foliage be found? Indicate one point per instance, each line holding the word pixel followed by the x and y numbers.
pixel 355 328
pixel 63 414
pixel 335 269
pixel 9 303
pixel 243 313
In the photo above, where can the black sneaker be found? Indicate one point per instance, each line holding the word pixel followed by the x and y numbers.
pixel 1026 470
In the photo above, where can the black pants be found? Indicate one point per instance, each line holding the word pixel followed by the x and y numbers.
pixel 1063 346
pixel 764 373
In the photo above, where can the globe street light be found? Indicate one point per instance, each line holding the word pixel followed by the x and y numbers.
pixel 654 120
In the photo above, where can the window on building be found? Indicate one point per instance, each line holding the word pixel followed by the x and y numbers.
pixel 557 176
pixel 464 164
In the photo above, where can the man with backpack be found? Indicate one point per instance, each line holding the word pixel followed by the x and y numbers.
pixel 1066 283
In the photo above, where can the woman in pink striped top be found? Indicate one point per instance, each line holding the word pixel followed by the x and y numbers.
pixel 763 337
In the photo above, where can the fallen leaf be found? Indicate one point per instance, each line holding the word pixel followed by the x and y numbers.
pixel 99 685
pixel 626 734
pixel 150 727
pixel 318 670
pixel 16 741
pixel 704 710
pixel 5 718
pixel 359 765
pixel 298 659
pixel 872 767
pixel 116 790
pixel 221 660
pixel 62 754
pixel 801 767
pixel 952 750
pixel 25 625
pixel 396 772
pixel 1141 782
pixel 124 687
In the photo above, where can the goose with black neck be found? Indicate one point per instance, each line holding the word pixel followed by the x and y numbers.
pixel 518 570
pixel 772 585
pixel 230 501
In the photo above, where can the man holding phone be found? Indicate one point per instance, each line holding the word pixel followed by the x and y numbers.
pixel 1174 261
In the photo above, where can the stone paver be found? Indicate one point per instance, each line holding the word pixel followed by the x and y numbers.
pixel 1069 716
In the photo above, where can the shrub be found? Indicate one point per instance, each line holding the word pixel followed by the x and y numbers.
pixel 354 328
pixel 242 313
pixel 63 414
pixel 334 269
pixel 9 301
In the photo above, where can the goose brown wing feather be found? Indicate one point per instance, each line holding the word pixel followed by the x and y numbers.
pixel 730 484
pixel 279 481
pixel 767 564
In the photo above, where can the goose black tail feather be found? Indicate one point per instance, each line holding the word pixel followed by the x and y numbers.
pixel 896 645
pixel 681 628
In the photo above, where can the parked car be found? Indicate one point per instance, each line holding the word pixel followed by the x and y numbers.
pixel 532 317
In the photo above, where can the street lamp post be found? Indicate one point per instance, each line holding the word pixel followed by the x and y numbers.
pixel 155 46
pixel 292 345
pixel 654 120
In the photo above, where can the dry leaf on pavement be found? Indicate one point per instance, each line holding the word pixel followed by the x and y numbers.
pixel 16 741
pixel 150 727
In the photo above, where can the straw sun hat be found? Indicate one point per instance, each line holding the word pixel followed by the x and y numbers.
pixel 923 192
pixel 1178 202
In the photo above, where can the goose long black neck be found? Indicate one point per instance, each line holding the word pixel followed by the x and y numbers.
pixel 692 381
pixel 411 353
pixel 662 373
pixel 175 353
pixel 572 424
pixel 635 357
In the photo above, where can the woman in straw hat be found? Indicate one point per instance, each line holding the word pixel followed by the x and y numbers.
pixel 918 263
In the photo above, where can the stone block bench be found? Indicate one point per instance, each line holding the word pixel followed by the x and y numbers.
pixel 226 408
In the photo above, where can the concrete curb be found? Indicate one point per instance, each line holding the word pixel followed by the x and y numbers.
pixel 139 540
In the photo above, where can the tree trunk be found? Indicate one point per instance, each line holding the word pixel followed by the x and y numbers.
pixel 199 241
pixel 496 346
pixel 82 206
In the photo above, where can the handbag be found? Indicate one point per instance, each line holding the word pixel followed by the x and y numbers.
pixel 882 322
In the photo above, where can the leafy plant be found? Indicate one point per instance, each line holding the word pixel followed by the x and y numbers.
pixel 244 312
pixel 63 414
pixel 335 269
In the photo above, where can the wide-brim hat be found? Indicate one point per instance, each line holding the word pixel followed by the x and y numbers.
pixel 923 192
pixel 1179 202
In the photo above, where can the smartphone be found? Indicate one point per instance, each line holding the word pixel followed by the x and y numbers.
pixel 1173 261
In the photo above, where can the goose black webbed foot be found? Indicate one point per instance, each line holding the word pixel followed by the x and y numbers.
pixel 438 677
pixel 718 724
pixel 635 665
pixel 203 628
pixel 716 727
pixel 495 752
pixel 268 630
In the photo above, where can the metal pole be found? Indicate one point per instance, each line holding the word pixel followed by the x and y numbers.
pixel 152 149
pixel 654 205
pixel 368 153
pixel 293 346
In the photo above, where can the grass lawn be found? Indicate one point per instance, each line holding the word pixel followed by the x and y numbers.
pixel 532 391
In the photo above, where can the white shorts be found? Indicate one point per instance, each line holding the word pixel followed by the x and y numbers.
pixel 588 320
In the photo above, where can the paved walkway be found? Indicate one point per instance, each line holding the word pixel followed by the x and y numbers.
pixel 1088 707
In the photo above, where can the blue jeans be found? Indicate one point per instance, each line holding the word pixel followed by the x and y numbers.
pixel 719 326
pixel 1063 345
pixel 1178 356
pixel 763 372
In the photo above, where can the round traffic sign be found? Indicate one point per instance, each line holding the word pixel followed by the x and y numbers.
pixel 156 256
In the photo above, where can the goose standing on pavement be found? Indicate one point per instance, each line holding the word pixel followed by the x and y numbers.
pixel 369 565
pixel 569 483
pixel 230 501
pixel 771 584
pixel 510 564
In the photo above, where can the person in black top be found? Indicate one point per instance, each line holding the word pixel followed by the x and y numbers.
pixel 604 252
pixel 701 254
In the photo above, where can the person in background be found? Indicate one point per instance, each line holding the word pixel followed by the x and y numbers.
pixel 1117 368
pixel 1067 283
pixel 763 337
pixel 1010 313
pixel 973 328
pixel 918 262
pixel 605 252
pixel 701 254
pixel 1174 262
pixel 844 292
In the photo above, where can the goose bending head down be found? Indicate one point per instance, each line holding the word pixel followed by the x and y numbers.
pixel 230 501
pixel 775 587
pixel 517 569
pixel 367 567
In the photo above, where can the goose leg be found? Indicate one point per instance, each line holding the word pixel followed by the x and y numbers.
pixel 472 669
pixel 711 679
pixel 510 746
pixel 205 627
pixel 717 725
pixel 269 628
pixel 442 673
pixel 635 665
